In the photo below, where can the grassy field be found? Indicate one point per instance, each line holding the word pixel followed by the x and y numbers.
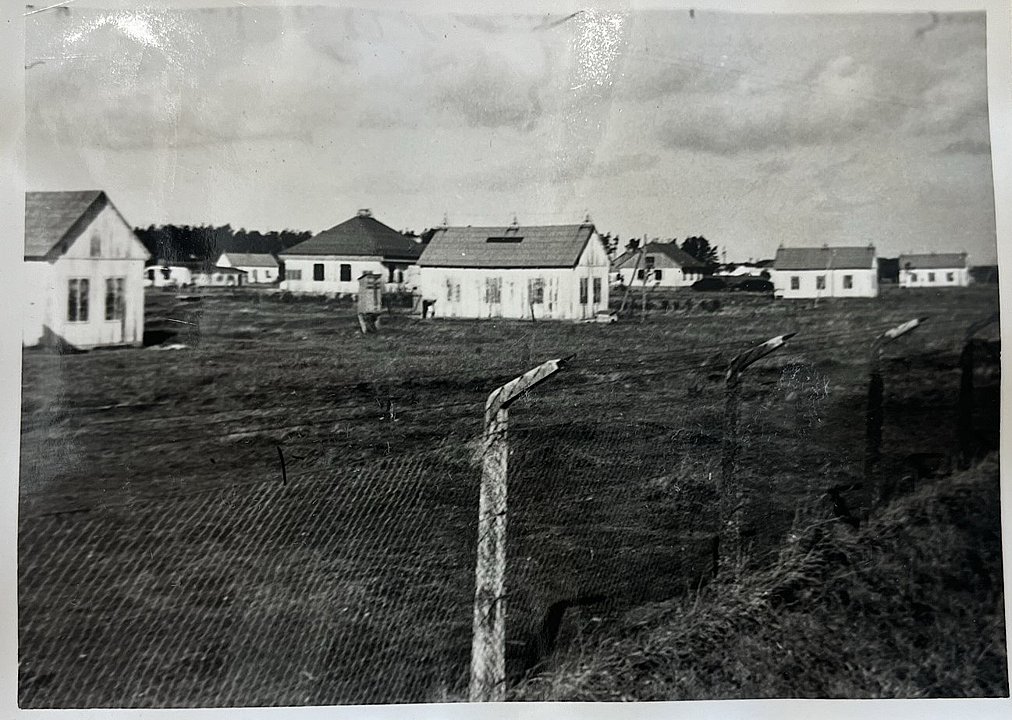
pixel 153 501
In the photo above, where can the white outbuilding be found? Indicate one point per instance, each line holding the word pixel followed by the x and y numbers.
pixel 557 272
pixel 260 268
pixel 659 264
pixel 83 272
pixel 333 261
pixel 825 271
pixel 934 270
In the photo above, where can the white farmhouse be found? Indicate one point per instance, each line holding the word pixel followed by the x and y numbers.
pixel 555 272
pixel 659 264
pixel 163 275
pixel 333 261
pixel 825 272
pixel 260 268
pixel 934 270
pixel 83 271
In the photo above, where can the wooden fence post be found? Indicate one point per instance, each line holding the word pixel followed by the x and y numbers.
pixel 488 646
pixel 873 412
pixel 730 491
pixel 964 414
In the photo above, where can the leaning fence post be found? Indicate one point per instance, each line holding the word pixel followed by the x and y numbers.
pixel 731 495
pixel 873 413
pixel 488 646
pixel 964 415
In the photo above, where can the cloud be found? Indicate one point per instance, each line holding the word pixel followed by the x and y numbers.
pixel 838 103
pixel 491 93
pixel 622 164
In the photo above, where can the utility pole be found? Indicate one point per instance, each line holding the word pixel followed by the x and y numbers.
pixel 488 647
pixel 731 494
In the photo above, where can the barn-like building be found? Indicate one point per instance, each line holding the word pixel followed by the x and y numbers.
pixel 334 260
pixel 83 272
pixel 557 272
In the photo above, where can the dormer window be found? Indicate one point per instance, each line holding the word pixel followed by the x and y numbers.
pixel 505 239
pixel 96 245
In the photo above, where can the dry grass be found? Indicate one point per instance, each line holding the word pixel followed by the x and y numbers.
pixel 908 606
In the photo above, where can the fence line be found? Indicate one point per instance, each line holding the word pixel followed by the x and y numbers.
pixel 354 583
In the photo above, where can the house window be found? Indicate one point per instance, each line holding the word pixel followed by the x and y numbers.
pixel 913 277
pixel 650 262
pixel 657 274
pixel 96 245
pixel 820 282
pixel 795 282
pixel 400 276
pixel 77 300
pixel 317 271
pixel 114 301
pixel 848 282
pixel 950 277
pixel 640 274
pixel 345 272
pixel 584 286
pixel 449 290
pixel 597 290
pixel 931 277
pixel 493 291
pixel 537 291
pixel 456 292
pixel 293 274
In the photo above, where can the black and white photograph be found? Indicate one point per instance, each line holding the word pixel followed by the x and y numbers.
pixel 384 356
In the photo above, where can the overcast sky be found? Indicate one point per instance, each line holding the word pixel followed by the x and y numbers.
pixel 751 130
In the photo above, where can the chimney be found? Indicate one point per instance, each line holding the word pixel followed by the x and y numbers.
pixel 365 212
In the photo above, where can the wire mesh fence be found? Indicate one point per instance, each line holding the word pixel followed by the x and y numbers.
pixel 352 581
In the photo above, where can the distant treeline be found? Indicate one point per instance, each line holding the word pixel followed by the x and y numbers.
pixel 181 243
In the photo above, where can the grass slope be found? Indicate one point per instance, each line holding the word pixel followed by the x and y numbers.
pixel 910 606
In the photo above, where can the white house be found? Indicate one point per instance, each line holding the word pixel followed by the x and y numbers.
pixel 333 261
pixel 260 268
pixel 159 275
pixel 825 272
pixel 555 272
pixel 208 275
pixel 659 264
pixel 934 270
pixel 83 271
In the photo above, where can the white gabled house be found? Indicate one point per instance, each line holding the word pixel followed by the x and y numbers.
pixel 260 268
pixel 557 272
pixel 659 264
pixel 824 272
pixel 333 260
pixel 83 271
pixel 934 270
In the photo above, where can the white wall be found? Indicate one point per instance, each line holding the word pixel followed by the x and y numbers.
pixel 332 282
pixel 462 292
pixel 935 277
pixel 37 291
pixel 259 274
pixel 864 283
pixel 672 274
pixel 121 255
pixel 178 276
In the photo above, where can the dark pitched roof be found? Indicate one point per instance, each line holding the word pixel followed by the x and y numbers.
pixel 51 217
pixel 822 258
pixel 932 261
pixel 678 256
pixel 513 246
pixel 361 235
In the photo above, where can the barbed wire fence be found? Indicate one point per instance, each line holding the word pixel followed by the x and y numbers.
pixel 356 583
